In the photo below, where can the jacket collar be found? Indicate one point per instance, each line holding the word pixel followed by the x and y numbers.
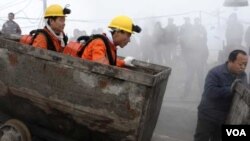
pixel 109 36
pixel 225 68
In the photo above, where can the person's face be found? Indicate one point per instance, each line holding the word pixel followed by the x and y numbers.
pixel 239 65
pixel 58 24
pixel 11 17
pixel 123 38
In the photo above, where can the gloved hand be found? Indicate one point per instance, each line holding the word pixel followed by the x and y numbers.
pixel 128 61
pixel 234 84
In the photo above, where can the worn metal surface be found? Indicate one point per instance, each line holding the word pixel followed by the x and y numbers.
pixel 79 99
pixel 240 109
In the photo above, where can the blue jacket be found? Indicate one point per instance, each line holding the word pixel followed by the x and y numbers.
pixel 217 96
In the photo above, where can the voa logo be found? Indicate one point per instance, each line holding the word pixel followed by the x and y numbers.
pixel 236 132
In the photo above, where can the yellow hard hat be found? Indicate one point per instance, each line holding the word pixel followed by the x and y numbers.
pixel 123 23
pixel 54 10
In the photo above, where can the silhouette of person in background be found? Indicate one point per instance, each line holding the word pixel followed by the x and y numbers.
pixel 10 26
pixel 77 33
pixel 159 42
pixel 234 36
pixel 187 53
pixel 234 31
pixel 185 38
pixel 200 46
pixel 171 39
pixel 193 39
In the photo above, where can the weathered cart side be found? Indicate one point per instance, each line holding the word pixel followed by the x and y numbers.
pixel 78 99
pixel 240 109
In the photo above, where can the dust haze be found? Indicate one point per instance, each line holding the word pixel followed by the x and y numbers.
pixel 191 40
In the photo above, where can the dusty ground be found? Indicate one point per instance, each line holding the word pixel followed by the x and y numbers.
pixel 177 119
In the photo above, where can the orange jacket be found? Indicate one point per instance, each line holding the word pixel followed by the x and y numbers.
pixel 41 42
pixel 96 51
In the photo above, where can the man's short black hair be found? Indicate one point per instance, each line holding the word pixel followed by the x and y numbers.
pixel 233 55
pixel 11 13
pixel 51 17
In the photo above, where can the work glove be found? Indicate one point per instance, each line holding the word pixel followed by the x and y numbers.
pixel 234 84
pixel 128 61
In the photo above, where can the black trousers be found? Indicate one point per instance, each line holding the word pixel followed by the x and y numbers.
pixel 207 131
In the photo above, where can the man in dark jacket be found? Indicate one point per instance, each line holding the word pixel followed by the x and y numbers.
pixel 217 96
pixel 10 26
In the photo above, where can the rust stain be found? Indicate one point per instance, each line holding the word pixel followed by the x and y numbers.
pixel 101 123
pixel 133 112
pixel 103 84
pixel 13 59
pixel 42 52
pixel 62 71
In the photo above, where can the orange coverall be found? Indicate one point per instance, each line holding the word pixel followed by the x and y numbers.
pixel 96 51
pixel 41 42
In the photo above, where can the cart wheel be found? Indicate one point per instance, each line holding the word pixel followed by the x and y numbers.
pixel 15 130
